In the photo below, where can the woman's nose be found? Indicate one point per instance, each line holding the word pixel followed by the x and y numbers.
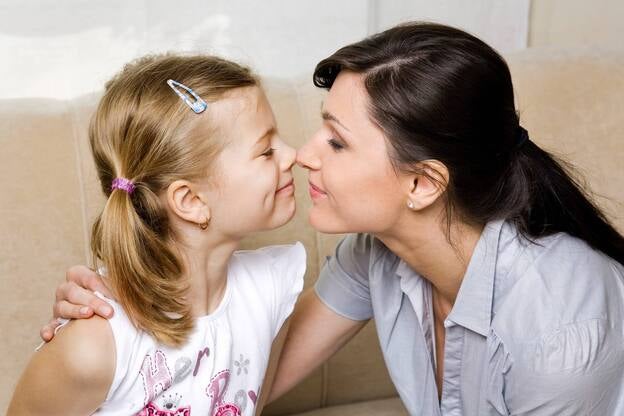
pixel 306 157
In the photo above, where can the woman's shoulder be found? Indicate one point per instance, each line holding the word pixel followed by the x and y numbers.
pixel 561 292
pixel 564 273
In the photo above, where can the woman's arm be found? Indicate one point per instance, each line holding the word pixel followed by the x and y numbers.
pixel 70 375
pixel 269 377
pixel 316 333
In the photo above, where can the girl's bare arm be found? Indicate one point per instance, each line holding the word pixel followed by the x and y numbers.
pixel 70 375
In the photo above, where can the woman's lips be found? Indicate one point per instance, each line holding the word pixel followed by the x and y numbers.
pixel 315 191
pixel 288 188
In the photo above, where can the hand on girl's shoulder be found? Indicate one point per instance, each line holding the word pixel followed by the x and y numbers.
pixel 71 374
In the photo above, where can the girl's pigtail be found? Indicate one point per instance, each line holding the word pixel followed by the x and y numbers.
pixel 143 271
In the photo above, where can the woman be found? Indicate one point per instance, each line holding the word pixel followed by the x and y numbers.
pixel 496 286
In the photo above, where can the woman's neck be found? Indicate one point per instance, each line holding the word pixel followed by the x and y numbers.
pixel 422 243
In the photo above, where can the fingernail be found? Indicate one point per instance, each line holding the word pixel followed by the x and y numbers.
pixel 84 310
pixel 106 310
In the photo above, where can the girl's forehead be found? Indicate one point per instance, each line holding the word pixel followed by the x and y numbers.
pixel 243 116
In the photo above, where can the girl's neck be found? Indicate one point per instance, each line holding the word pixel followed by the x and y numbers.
pixel 207 269
pixel 424 246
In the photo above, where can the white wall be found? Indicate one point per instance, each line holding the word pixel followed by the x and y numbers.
pixel 66 48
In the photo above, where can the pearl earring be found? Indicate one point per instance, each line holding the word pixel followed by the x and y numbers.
pixel 410 204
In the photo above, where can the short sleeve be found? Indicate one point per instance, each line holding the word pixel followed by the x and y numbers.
pixel 288 266
pixel 343 284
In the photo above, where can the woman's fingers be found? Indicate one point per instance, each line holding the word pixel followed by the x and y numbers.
pixel 88 279
pixel 75 302
pixel 47 331
pixel 75 299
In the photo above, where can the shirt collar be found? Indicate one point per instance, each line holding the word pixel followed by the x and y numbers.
pixel 473 305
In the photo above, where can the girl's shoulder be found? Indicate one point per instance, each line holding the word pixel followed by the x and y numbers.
pixel 81 355
pixel 270 261
pixel 294 251
pixel 86 346
pixel 269 279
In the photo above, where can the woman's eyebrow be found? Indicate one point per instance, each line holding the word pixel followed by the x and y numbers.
pixel 326 115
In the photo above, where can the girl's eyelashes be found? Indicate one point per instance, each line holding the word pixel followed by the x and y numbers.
pixel 268 153
pixel 335 144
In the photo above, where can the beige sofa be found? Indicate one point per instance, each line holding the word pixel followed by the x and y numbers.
pixel 572 102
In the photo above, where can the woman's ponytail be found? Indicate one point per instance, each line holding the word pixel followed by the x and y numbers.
pixel 555 202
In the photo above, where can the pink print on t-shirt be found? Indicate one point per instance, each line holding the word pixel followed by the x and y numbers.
pixel 156 375
pixel 152 410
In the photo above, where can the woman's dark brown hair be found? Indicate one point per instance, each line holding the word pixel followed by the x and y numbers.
pixel 440 93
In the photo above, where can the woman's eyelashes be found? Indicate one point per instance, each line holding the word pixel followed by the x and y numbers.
pixel 336 144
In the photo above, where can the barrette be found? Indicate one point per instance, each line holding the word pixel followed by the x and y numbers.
pixel 197 106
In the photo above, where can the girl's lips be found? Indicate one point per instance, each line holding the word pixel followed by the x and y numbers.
pixel 315 191
pixel 289 187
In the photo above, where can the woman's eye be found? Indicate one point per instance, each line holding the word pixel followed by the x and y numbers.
pixel 268 153
pixel 335 144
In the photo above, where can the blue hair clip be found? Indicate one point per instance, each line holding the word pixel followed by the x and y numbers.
pixel 198 106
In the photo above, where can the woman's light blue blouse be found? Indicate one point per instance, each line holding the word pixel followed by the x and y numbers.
pixel 536 329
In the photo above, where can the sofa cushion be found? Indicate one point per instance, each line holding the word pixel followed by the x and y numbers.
pixel 385 407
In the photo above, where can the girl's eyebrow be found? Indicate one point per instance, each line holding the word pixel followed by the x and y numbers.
pixel 270 132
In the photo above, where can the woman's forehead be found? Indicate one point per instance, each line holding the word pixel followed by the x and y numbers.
pixel 347 102
pixel 347 90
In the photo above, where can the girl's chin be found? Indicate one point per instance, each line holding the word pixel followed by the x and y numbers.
pixel 284 216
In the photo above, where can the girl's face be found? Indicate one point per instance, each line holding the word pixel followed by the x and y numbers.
pixel 353 185
pixel 254 184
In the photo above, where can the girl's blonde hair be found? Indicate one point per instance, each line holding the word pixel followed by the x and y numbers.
pixel 144 132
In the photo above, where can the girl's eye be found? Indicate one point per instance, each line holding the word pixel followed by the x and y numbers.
pixel 335 144
pixel 269 152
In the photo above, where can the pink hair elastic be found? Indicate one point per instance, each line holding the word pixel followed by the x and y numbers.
pixel 123 184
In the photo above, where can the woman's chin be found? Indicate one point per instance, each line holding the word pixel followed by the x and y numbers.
pixel 324 223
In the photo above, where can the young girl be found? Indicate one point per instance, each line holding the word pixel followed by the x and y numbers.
pixel 188 155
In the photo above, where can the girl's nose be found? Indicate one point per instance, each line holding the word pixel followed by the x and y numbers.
pixel 287 159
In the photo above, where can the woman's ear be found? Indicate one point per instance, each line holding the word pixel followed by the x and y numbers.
pixel 427 184
pixel 186 202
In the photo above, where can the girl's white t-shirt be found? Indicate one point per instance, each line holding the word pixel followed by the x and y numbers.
pixel 220 370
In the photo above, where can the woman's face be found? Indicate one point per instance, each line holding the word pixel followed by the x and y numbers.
pixel 353 185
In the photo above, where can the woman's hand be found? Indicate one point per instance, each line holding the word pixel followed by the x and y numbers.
pixel 75 299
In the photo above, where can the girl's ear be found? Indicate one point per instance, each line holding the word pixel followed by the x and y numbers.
pixel 185 202
pixel 427 184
